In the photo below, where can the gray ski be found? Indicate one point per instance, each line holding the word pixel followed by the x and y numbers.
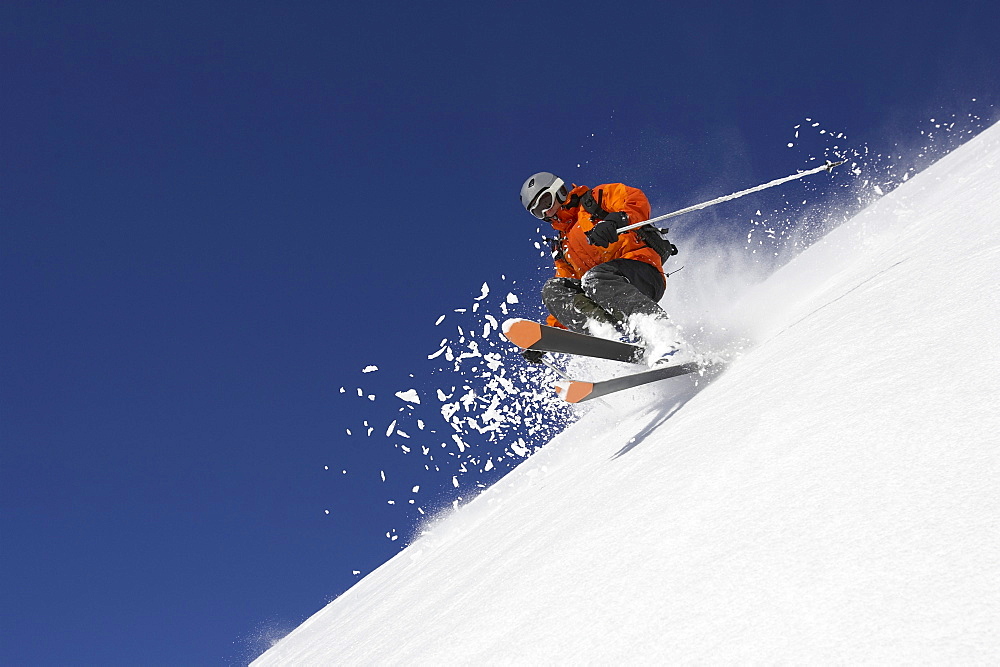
pixel 534 336
pixel 577 391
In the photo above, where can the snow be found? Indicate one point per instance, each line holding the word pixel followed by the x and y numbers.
pixel 833 496
pixel 410 396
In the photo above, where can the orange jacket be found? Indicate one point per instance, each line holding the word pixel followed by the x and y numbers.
pixel 574 255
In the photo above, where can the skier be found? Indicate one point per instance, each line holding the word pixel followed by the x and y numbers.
pixel 605 283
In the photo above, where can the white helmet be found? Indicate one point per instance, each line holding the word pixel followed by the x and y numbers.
pixel 541 193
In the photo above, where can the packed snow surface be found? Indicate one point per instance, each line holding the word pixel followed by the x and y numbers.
pixel 833 496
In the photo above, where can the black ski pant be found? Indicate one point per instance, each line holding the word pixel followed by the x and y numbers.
pixel 608 293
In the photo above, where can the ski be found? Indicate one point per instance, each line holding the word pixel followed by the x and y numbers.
pixel 534 336
pixel 575 391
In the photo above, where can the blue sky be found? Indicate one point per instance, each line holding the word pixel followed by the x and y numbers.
pixel 215 215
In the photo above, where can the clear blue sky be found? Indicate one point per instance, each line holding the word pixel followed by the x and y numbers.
pixel 214 215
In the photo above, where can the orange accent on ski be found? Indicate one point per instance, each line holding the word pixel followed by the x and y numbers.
pixel 574 391
pixel 523 333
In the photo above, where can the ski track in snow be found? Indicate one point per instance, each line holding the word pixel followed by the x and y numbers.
pixel 830 494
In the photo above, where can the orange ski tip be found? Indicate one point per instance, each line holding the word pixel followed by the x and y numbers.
pixel 523 333
pixel 573 391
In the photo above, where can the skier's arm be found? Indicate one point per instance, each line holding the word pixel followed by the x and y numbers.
pixel 563 269
pixel 635 204
pixel 625 205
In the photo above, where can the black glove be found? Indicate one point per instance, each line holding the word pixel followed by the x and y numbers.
pixel 605 232
pixel 533 356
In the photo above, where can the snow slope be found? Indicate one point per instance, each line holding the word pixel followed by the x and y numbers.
pixel 834 496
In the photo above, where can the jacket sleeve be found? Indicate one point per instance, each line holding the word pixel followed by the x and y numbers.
pixel 563 269
pixel 634 202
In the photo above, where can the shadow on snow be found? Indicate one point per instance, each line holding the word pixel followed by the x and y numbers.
pixel 672 403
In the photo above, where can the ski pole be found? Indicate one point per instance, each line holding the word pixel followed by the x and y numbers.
pixel 697 207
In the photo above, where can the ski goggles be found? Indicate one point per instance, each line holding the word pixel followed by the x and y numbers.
pixel 546 199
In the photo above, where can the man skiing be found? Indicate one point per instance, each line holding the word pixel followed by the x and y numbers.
pixel 605 282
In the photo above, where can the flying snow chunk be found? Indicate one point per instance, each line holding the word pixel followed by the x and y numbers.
pixel 370 369
pixel 511 298
pixel 485 293
pixel 410 396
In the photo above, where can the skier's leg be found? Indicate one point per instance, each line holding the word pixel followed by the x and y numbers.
pixel 629 290
pixel 625 287
pixel 566 300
